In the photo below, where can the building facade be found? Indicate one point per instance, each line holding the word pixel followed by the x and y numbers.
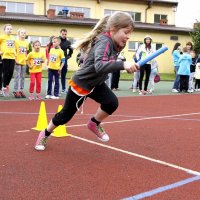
pixel 44 18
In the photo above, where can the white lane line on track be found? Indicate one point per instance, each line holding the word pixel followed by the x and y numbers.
pixel 23 131
pixel 140 119
pixel 139 156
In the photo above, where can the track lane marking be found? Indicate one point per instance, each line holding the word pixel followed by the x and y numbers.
pixel 139 156
pixel 163 188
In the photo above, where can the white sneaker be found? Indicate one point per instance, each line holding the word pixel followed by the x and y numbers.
pixel 41 141
pixel 48 97
pixel 134 90
pixel 190 91
pixel 63 91
pixel 175 90
pixel 151 90
pixel 54 97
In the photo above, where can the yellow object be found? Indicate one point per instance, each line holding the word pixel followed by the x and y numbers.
pixel 42 121
pixel 60 131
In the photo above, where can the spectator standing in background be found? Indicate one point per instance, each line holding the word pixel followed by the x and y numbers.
pixel 192 71
pixel 68 51
pixel 34 62
pixel 116 74
pixel 22 47
pixel 189 47
pixel 7 46
pixel 176 53
pixel 56 62
pixel 143 51
pixel 185 61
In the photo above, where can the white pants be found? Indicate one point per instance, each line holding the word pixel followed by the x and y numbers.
pixel 136 76
pixel 191 80
pixel 108 81
pixel 151 79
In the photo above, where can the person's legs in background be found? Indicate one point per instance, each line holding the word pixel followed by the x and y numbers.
pixel 63 78
pixel 1 76
pixel 151 79
pixel 108 80
pixel 176 84
pixel 148 72
pixel 115 80
pixel 135 80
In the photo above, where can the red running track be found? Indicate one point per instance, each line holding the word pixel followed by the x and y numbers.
pixel 162 128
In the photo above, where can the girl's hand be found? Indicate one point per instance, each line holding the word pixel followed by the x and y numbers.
pixel 130 67
pixel 59 71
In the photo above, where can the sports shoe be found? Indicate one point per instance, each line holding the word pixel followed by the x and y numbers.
pixel 16 94
pixel 134 90
pixel 63 91
pixel 98 131
pixel 175 91
pixel 54 97
pixel 39 97
pixel 5 91
pixel 151 90
pixel 22 94
pixel 142 92
pixel 48 97
pixel 41 141
pixel 31 97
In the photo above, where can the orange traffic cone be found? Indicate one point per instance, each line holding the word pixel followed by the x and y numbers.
pixel 42 121
pixel 60 131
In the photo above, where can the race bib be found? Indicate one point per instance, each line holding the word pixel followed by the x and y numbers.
pixel 10 43
pixel 53 58
pixel 22 50
pixel 37 61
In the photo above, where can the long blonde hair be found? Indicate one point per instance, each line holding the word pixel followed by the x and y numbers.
pixel 117 21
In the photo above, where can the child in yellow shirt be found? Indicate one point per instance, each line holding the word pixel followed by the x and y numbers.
pixel 7 46
pixel 56 63
pixel 22 46
pixel 34 62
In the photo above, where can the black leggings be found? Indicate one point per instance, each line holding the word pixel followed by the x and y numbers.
pixel 115 79
pixel 8 69
pixel 145 68
pixel 102 94
pixel 1 74
pixel 184 82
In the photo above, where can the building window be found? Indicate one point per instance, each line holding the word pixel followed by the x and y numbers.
pixel 16 7
pixel 174 37
pixel 136 15
pixel 44 40
pixel 158 45
pixel 134 45
pixel 158 17
pixel 59 9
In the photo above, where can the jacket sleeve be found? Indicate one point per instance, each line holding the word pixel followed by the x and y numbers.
pixel 102 55
pixel 138 54
pixel 70 52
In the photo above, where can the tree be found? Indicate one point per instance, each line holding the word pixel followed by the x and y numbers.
pixel 196 37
